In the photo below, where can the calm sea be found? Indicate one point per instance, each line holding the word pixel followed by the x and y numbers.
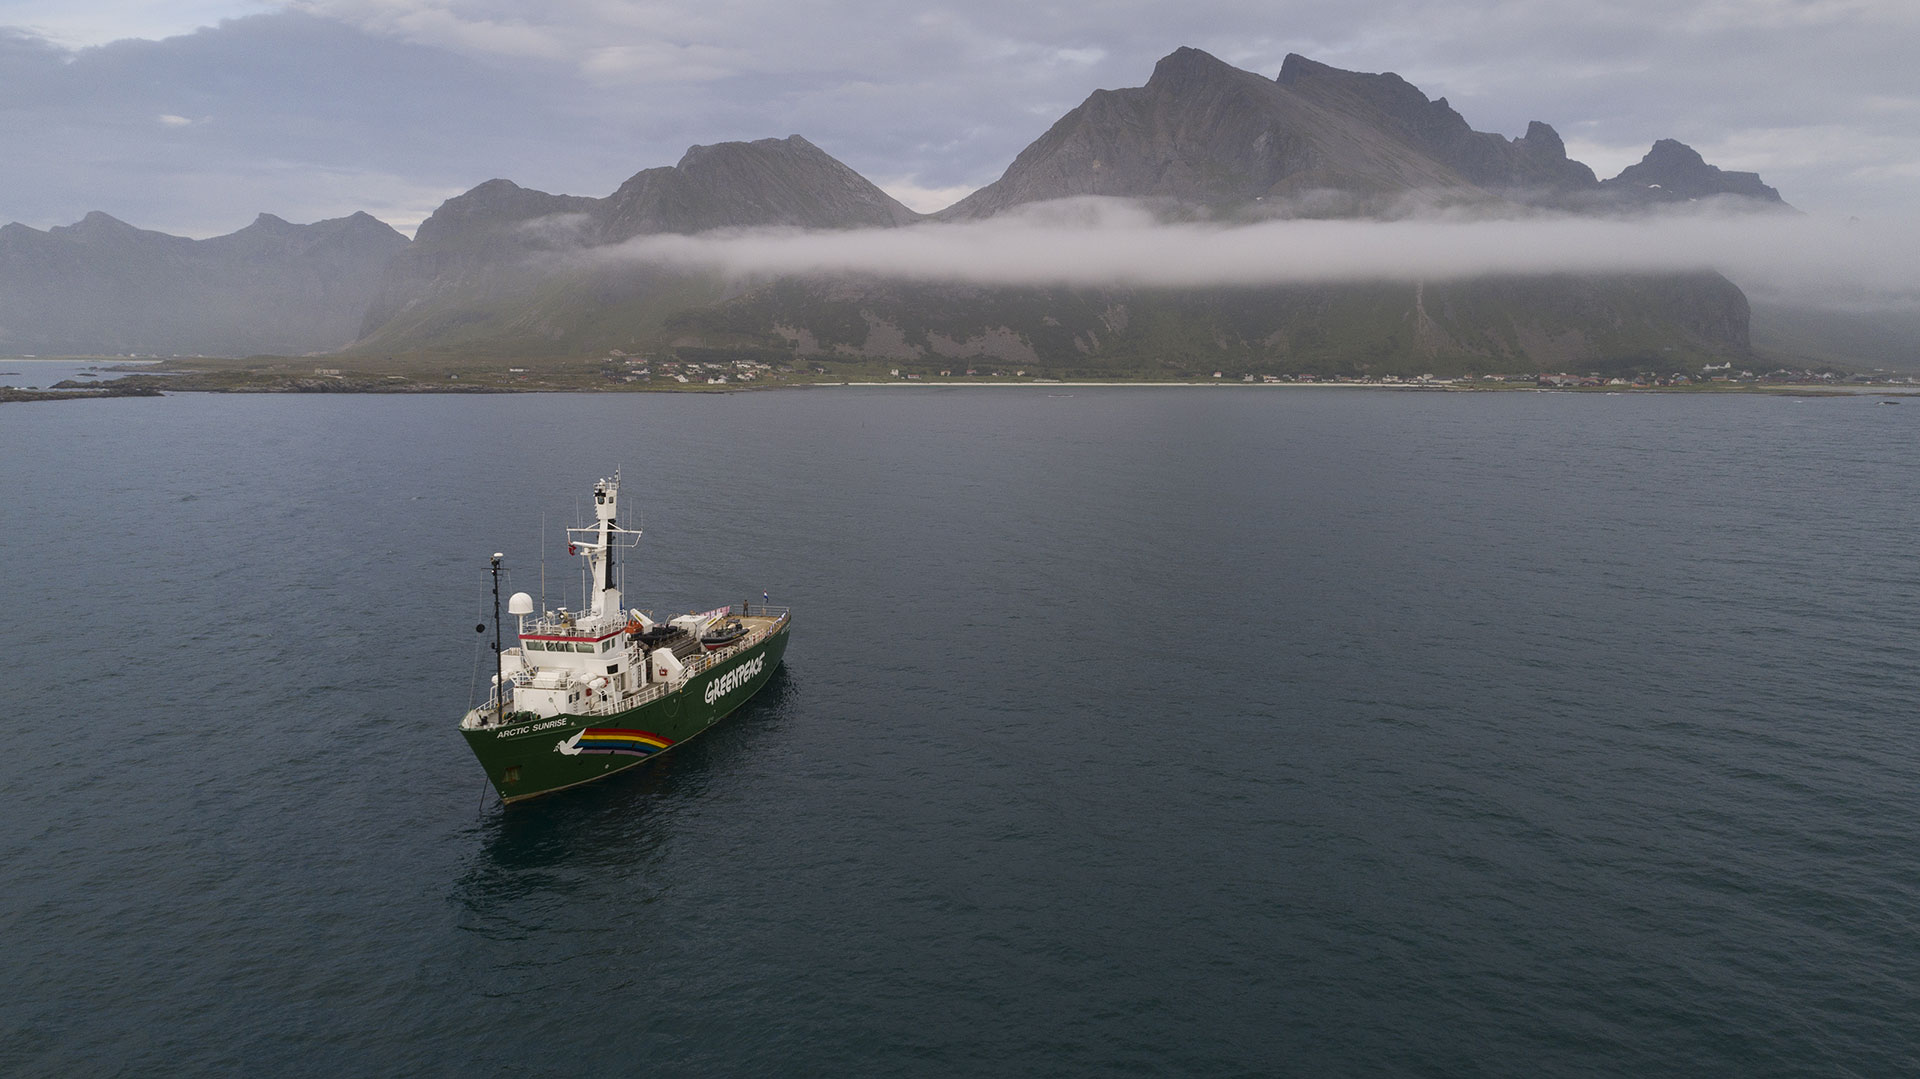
pixel 1124 731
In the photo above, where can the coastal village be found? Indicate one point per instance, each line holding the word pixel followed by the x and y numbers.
pixel 622 368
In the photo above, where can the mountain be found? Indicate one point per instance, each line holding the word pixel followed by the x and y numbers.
pixel 1533 162
pixel 505 268
pixel 473 253
pixel 1206 132
pixel 1203 136
pixel 772 182
pixel 507 271
pixel 102 286
pixel 1675 172
pixel 1319 140
pixel 1614 324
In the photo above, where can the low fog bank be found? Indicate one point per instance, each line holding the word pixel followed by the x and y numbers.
pixel 1094 242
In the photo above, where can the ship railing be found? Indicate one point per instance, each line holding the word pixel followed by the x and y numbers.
pixel 690 668
pixel 488 711
pixel 645 694
pixel 579 627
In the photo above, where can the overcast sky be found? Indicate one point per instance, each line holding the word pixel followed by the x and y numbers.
pixel 191 116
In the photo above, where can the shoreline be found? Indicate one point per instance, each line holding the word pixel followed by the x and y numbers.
pixel 142 381
pixel 109 390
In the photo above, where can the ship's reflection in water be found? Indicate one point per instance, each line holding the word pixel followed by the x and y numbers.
pixel 533 854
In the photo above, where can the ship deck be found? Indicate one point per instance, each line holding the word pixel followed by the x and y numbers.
pixel 759 627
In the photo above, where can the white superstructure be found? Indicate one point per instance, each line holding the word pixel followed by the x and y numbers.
pixel 597 661
pixel 574 662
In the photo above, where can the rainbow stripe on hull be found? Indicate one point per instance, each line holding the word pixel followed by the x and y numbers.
pixel 619 740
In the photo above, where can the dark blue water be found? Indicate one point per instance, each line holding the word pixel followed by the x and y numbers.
pixel 1133 731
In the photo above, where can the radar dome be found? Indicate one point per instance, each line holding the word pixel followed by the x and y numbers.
pixel 521 603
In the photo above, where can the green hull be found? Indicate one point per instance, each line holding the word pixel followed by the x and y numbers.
pixel 540 756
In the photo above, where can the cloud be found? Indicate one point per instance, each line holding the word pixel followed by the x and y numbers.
pixel 1109 242
pixel 473 28
pixel 657 62
pixel 98 22
pixel 310 113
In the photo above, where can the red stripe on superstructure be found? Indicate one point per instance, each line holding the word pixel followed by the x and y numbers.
pixel 573 640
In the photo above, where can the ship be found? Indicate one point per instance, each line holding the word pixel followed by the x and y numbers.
pixel 588 694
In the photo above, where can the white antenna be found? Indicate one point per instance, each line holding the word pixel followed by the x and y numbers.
pixel 543 563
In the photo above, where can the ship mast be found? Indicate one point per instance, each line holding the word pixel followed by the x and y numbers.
pixel 499 659
pixel 599 548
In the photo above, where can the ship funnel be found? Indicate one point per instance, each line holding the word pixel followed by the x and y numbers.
pixel 521 603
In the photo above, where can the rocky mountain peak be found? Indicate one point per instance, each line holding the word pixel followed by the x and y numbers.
pixel 710 155
pixel 267 226
pixel 99 224
pixel 1387 94
pixel 1672 154
pixel 1672 171
pixel 786 182
pixel 1540 159
pixel 363 224
pixel 1385 90
pixel 1202 131
pixel 492 205
pixel 104 231
pixel 1199 131
pixel 1542 139
pixel 1186 69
